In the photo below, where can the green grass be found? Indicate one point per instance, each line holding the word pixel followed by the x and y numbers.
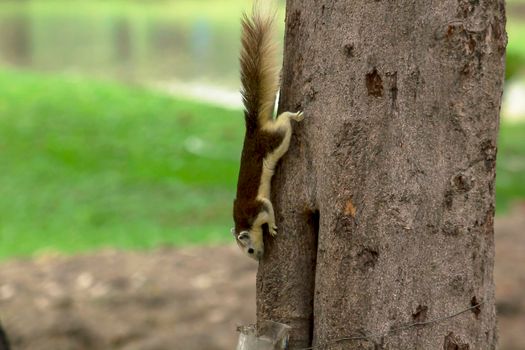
pixel 91 164
pixel 510 172
pixel 87 164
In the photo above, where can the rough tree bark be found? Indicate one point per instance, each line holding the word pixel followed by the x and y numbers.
pixel 385 200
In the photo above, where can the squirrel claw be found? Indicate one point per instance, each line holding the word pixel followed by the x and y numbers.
pixel 299 116
pixel 273 230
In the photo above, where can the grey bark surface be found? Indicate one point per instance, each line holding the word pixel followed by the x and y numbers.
pixel 385 200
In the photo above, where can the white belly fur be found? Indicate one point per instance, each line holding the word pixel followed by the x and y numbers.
pixel 269 163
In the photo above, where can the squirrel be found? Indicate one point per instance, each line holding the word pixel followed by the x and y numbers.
pixel 266 139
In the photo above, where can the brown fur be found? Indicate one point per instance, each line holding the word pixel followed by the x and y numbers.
pixel 257 145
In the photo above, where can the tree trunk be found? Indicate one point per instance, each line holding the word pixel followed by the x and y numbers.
pixel 385 200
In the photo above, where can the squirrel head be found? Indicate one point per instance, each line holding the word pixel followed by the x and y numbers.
pixel 250 242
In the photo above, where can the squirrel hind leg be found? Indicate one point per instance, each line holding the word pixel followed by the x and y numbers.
pixel 298 116
pixel 282 122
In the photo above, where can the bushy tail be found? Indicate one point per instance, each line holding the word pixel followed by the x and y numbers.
pixel 259 69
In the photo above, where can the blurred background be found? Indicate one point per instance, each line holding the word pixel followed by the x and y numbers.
pixel 120 133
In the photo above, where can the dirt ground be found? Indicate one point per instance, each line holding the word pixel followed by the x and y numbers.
pixel 189 299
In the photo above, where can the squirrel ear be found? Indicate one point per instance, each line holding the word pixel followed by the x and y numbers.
pixel 232 231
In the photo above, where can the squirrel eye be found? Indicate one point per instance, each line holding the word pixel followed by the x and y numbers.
pixel 250 251
pixel 243 236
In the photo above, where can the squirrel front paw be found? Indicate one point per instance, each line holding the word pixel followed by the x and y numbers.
pixel 273 230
